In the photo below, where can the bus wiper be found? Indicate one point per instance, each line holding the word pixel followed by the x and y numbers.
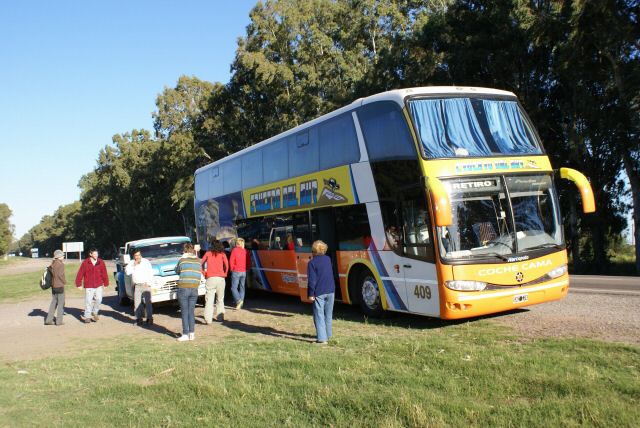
pixel 498 255
pixel 545 245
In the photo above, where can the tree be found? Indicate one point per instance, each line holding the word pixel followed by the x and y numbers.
pixel 6 228
pixel 604 39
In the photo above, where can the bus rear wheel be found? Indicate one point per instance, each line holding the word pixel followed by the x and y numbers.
pixel 369 294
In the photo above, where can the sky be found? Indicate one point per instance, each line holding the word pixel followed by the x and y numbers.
pixel 74 73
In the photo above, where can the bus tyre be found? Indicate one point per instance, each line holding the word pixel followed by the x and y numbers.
pixel 369 295
pixel 123 299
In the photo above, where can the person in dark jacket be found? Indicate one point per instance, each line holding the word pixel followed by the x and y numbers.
pixel 321 290
pixel 58 282
pixel 93 274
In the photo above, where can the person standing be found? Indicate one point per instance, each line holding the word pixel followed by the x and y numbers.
pixel 321 290
pixel 93 274
pixel 58 282
pixel 188 269
pixel 239 263
pixel 215 267
pixel 141 277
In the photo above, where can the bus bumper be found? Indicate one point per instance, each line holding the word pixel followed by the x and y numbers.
pixel 459 304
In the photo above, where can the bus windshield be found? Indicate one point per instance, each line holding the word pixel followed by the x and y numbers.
pixel 460 127
pixel 499 217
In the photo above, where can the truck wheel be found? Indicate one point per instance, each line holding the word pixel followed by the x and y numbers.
pixel 123 299
pixel 369 294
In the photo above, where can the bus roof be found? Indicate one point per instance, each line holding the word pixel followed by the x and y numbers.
pixel 396 95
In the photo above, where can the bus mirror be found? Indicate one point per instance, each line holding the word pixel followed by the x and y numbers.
pixel 441 204
pixel 588 202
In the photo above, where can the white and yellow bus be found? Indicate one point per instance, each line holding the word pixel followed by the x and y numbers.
pixel 437 201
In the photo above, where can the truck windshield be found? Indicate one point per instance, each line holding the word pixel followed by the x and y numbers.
pixel 498 217
pixel 468 126
pixel 165 249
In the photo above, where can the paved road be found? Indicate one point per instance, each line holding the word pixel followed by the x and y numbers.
pixel 606 284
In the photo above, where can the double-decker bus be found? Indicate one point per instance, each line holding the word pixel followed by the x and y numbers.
pixel 436 200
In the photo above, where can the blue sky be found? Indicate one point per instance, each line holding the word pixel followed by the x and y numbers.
pixel 74 73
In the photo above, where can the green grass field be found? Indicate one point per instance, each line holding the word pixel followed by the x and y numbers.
pixel 382 373
pixel 23 286
pixel 456 375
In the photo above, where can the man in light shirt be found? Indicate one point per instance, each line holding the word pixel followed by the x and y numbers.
pixel 141 277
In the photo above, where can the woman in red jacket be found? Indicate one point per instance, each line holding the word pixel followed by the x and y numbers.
pixel 215 267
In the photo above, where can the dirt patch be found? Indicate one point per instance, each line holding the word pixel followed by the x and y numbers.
pixel 613 318
pixel 23 334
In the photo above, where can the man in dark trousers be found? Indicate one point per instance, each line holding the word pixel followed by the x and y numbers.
pixel 93 274
pixel 58 282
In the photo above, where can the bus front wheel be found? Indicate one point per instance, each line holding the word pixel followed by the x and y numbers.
pixel 369 295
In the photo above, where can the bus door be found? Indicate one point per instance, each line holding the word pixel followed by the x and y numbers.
pixel 308 227
pixel 278 262
pixel 418 264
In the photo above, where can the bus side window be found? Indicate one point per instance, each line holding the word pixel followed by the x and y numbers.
pixel 353 229
pixel 302 232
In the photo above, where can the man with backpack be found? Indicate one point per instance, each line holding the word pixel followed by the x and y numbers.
pixel 58 282
pixel 93 273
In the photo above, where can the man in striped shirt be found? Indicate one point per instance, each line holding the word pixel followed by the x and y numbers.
pixel 190 275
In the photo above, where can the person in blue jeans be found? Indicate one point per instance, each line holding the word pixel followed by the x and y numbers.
pixel 189 270
pixel 321 290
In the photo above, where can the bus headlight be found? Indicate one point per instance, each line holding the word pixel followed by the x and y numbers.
pixel 559 271
pixel 466 285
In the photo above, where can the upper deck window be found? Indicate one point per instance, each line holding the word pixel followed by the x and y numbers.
pixel 386 133
pixel 459 127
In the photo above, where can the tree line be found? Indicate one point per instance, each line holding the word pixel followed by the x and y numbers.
pixel 574 64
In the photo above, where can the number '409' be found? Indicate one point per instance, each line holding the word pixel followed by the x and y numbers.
pixel 422 292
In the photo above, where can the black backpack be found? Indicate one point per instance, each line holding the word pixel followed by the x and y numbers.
pixel 47 278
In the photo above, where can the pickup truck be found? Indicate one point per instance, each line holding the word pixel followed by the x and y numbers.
pixel 164 254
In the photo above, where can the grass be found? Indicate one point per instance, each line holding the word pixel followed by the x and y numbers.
pixel 402 371
pixel 11 260
pixel 26 285
pixel 376 375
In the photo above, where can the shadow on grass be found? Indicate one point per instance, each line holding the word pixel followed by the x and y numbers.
pixel 262 302
pixel 268 331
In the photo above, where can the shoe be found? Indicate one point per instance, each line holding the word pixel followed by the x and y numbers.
pixel 139 322
pixel 321 342
pixel 192 336
pixel 220 318
pixel 183 338
pixel 239 305
pixel 60 323
pixel 48 323
pixel 149 321
pixel 85 319
pixel 95 317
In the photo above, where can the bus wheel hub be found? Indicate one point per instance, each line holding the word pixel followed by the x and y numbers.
pixel 370 293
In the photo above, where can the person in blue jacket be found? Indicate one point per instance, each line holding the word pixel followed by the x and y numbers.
pixel 321 290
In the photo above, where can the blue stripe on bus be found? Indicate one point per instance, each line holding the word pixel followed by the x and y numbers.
pixel 353 186
pixel 263 278
pixel 389 289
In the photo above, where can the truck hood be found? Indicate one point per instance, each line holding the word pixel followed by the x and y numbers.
pixel 164 266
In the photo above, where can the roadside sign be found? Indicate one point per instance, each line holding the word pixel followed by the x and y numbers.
pixel 73 247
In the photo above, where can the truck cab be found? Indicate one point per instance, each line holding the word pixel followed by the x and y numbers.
pixel 164 254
